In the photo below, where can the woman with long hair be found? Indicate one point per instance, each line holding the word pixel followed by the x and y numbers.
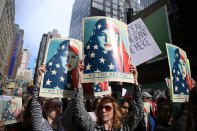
pixel 50 117
pixel 108 113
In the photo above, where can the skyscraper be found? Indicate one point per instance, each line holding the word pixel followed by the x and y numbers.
pixel 7 13
pixel 146 3
pixel 15 51
pixel 24 59
pixel 42 49
pixel 23 72
pixel 136 6
pixel 85 8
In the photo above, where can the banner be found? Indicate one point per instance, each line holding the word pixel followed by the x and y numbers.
pixel 106 50
pixel 10 109
pixel 179 73
pixel 61 58
pixel 142 45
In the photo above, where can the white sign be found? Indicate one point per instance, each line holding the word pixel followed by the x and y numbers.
pixel 142 45
pixel 124 91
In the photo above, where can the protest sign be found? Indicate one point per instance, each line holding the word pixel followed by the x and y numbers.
pixel 106 50
pixel 142 45
pixel 11 85
pixel 8 91
pixel 102 89
pixel 10 109
pixel 18 92
pixel 61 58
pixel 180 76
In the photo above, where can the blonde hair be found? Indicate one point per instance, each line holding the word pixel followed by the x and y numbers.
pixel 117 116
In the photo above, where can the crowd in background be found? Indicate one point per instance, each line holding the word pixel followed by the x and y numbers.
pixel 138 113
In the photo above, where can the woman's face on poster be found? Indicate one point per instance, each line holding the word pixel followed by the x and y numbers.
pixel 108 39
pixel 64 59
pixel 182 67
pixel 72 60
pixel 69 61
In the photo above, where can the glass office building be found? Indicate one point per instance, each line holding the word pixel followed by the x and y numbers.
pixel 85 8
pixel 146 3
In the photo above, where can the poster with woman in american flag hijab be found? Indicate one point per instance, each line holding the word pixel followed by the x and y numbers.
pixel 62 57
pixel 180 75
pixel 106 50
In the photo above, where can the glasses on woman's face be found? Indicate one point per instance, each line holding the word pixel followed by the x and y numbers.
pixel 107 108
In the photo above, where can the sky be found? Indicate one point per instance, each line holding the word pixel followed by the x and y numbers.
pixel 37 17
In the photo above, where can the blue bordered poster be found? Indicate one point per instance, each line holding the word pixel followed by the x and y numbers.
pixel 180 75
pixel 106 50
pixel 61 59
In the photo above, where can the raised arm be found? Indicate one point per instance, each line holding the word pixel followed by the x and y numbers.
pixel 134 117
pixel 38 121
pixel 84 118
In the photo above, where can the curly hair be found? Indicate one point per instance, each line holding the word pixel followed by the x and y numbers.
pixel 117 116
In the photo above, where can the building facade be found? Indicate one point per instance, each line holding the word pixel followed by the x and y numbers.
pixel 14 55
pixel 81 9
pixel 136 6
pixel 42 49
pixel 7 14
pixel 24 59
pixel 146 3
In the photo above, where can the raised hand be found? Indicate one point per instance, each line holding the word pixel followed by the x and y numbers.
pixel 80 69
pixel 135 73
pixel 41 69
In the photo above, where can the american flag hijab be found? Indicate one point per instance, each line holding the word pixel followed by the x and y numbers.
pixel 181 77
pixel 108 54
pixel 61 68
pixel 11 111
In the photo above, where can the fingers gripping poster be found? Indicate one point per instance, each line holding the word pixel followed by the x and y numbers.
pixel 180 75
pixel 61 60
pixel 106 50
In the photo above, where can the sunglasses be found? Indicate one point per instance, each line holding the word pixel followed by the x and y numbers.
pixel 107 108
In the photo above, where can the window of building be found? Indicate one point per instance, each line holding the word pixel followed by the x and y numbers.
pixel 115 12
pixel 115 1
pixel 107 3
pixel 108 14
pixel 121 3
pixel 96 5
pixel 99 1
pixel 107 9
pixel 115 6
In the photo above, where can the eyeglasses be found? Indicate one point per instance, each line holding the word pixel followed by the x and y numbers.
pixel 107 108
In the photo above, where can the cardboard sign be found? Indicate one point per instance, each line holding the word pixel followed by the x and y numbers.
pixel 142 45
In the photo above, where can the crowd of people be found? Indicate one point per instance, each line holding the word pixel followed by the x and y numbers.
pixel 138 113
